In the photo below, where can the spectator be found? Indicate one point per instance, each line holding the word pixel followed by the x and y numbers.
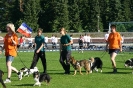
pixel 46 41
pixel 81 41
pixel 53 41
pixel 88 40
pixel 106 36
pixel 30 43
pixel 24 42
pixel 85 40
pixel 122 37
pixel 72 40
pixel 21 41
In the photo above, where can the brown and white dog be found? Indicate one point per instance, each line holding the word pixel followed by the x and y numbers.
pixel 77 65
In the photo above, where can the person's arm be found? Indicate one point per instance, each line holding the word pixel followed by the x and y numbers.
pixel 38 50
pixel 60 47
pixel 42 45
pixel 107 46
pixel 13 41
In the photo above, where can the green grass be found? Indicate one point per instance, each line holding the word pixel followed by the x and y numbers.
pixel 123 79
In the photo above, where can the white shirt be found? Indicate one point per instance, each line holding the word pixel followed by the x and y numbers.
pixel 88 39
pixel 55 39
pixel 106 36
pixel 46 39
pixel 122 39
pixel 30 40
pixel 52 39
pixel 85 38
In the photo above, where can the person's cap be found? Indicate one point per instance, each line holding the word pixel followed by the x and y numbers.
pixel 11 26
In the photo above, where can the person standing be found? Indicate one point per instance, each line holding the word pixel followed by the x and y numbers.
pixel 88 40
pixel 106 36
pixel 21 41
pixel 65 50
pixel 114 44
pixel 53 41
pixel 81 42
pixel 10 47
pixel 46 41
pixel 56 41
pixel 39 50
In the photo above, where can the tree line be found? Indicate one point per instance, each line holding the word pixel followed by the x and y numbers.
pixel 74 15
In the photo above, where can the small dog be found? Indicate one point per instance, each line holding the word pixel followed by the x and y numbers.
pixel 21 72
pixel 31 71
pixel 1 80
pixel 129 63
pixel 77 65
pixel 27 72
pixel 96 63
pixel 40 78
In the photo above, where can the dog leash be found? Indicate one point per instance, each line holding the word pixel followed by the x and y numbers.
pixel 20 58
pixel 103 54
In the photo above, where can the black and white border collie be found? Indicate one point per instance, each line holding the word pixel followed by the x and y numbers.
pixel 96 63
pixel 40 78
pixel 129 63
pixel 26 72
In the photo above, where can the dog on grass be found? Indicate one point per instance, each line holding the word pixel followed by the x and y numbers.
pixel 77 65
pixel 129 63
pixel 40 78
pixel 21 72
pixel 1 80
pixel 96 63
pixel 27 72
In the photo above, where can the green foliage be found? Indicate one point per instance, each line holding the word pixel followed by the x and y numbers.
pixel 74 15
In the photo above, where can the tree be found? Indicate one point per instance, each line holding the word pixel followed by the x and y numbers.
pixel 74 16
pixel 31 9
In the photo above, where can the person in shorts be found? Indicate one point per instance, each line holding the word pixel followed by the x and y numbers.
pixel 114 44
pixel 10 47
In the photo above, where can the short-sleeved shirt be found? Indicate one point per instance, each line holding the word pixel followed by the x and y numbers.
pixel 114 40
pixel 65 39
pixel 10 48
pixel 39 40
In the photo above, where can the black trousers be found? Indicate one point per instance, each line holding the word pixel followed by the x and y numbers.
pixel 36 57
pixel 64 60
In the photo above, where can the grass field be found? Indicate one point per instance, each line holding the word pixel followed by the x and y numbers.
pixel 123 79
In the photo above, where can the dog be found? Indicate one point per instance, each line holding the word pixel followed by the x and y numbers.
pixel 77 65
pixel 31 71
pixel 27 72
pixel 21 72
pixel 129 63
pixel 96 63
pixel 1 80
pixel 40 78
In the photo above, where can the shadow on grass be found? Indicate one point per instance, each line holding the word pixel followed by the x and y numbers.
pixel 24 85
pixel 116 73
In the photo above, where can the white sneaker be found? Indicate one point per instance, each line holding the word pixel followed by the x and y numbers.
pixel 7 81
